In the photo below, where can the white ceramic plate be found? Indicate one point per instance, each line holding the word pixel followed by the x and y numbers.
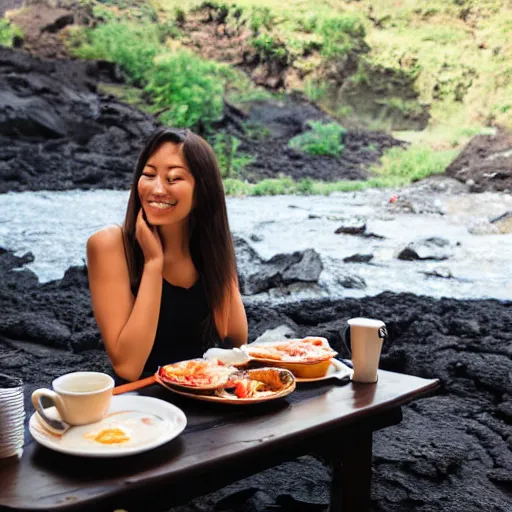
pixel 136 423
pixel 337 370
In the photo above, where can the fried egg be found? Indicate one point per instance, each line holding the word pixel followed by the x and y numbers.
pixel 120 429
pixel 113 435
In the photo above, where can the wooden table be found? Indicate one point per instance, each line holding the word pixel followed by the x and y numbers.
pixel 222 444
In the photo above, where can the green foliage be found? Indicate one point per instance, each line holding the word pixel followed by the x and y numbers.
pixel 128 10
pixel 256 131
pixel 251 95
pixel 103 13
pixel 274 187
pixel 260 17
pixel 443 34
pixel 169 30
pixel 127 94
pixel 401 166
pixel 322 139
pixel 180 15
pixel 187 90
pixel 338 34
pixel 314 89
pixel 461 136
pixel 427 12
pixel 230 161
pixel 343 111
pixel 132 46
pixel 76 36
pixel 307 23
pixel 184 89
pixel 269 47
pixel 307 186
pixel 405 107
pixel 236 187
pixel 453 81
pixel 8 33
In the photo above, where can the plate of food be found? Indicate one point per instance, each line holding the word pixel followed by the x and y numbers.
pixel 306 358
pixel 134 424
pixel 196 375
pixel 244 387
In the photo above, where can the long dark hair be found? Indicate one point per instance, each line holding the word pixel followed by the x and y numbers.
pixel 211 245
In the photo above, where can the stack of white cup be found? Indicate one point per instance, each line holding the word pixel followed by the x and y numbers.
pixel 12 416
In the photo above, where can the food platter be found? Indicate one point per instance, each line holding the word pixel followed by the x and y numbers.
pixel 306 358
pixel 273 383
pixel 210 378
pixel 196 375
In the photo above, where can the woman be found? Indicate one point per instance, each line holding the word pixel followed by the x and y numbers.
pixel 164 286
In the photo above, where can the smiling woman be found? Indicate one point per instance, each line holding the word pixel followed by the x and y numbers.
pixel 164 285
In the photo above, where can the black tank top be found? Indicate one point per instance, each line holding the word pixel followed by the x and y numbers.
pixel 185 327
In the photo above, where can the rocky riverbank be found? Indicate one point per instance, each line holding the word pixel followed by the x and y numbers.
pixel 452 452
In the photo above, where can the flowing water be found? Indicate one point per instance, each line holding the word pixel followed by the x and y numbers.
pixel 54 226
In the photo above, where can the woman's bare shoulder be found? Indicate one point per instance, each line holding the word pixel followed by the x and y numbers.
pixel 107 238
pixel 106 242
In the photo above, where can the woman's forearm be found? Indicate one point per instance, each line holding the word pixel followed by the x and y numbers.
pixel 138 335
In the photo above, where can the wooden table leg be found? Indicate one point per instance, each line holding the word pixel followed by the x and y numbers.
pixel 352 474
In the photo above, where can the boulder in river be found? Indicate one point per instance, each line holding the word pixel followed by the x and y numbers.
pixel 433 248
pixel 257 275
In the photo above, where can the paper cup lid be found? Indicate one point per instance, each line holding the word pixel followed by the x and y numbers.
pixel 366 322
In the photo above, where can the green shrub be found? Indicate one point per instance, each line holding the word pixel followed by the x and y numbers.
pixel 75 36
pixel 322 139
pixel 133 47
pixel 308 22
pixel 339 34
pixel 8 33
pixel 401 166
pixel 236 187
pixel 259 17
pixel 315 90
pixel 269 47
pixel 170 30
pixel 273 187
pixel 188 89
pixel 104 14
pixel 252 95
pixel 230 161
pixel 305 186
pixel 113 10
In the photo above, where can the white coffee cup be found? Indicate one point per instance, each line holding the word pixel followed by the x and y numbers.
pixel 79 397
pixel 366 337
